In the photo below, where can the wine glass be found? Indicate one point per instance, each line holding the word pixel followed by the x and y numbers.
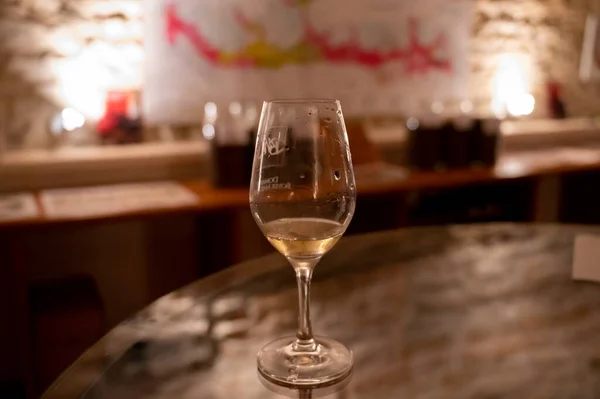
pixel 302 196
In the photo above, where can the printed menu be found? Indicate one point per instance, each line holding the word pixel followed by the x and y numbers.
pixel 18 206
pixel 114 199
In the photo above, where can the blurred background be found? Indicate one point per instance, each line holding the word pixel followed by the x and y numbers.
pixel 127 134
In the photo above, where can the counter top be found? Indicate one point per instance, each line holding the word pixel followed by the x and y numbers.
pixel 474 311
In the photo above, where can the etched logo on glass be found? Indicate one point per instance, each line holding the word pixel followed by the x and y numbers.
pixel 272 183
pixel 274 152
pixel 275 142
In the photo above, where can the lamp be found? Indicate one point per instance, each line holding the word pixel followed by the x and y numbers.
pixel 511 88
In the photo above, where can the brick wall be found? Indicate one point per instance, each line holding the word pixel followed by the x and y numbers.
pixel 50 49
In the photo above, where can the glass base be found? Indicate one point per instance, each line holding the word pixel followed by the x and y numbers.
pixel 301 392
pixel 327 363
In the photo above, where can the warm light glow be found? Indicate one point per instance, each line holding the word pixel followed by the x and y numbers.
pixel 72 119
pixel 86 77
pixel 412 123
pixel 437 107
pixel 83 84
pixel 511 168
pixel 511 88
pixel 466 106
pixel 132 9
pixel 210 112
pixel 208 131
pixel 114 29
pixel 66 44
pixel 251 113
pixel 235 108
pixel 521 105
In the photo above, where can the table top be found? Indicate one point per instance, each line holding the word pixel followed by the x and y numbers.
pixel 474 311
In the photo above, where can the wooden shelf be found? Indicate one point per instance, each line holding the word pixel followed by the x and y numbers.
pixel 371 180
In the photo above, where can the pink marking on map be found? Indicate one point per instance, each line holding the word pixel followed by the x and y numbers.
pixel 418 58
pixel 176 26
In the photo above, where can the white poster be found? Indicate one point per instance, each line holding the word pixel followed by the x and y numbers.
pixel 376 56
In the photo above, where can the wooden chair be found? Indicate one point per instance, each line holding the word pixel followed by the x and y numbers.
pixel 67 317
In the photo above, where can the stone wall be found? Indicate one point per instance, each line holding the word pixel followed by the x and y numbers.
pixel 548 33
pixel 57 53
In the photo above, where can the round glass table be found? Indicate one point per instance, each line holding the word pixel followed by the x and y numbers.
pixel 475 311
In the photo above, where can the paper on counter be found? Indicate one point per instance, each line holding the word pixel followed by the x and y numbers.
pixel 586 258
pixel 113 199
pixel 18 206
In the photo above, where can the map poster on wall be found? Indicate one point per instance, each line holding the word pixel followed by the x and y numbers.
pixel 376 56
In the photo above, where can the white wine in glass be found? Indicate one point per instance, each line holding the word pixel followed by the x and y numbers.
pixel 302 196
pixel 303 237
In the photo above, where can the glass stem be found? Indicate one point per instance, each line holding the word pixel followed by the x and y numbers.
pixel 304 336
pixel 305 393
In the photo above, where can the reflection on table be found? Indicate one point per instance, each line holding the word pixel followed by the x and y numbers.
pixel 480 311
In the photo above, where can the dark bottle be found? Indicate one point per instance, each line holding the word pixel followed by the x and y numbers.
pixel 457 148
pixel 301 154
pixel 556 107
pixel 475 139
pixel 230 150
pixel 485 135
pixel 412 150
pixel 491 137
pixel 229 163
pixel 249 155
pixel 426 144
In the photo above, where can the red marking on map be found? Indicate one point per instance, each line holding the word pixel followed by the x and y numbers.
pixel 417 57
pixel 176 26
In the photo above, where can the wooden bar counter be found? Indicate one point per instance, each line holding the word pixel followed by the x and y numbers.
pixel 372 180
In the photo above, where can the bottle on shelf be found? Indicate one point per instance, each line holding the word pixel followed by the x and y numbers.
pixel 234 127
pixel 556 106
pixel 489 141
pixel 426 128
pixel 457 148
